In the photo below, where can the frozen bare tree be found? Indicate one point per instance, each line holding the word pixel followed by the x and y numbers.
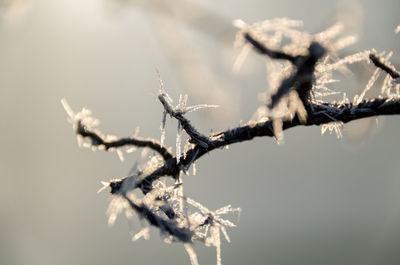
pixel 300 69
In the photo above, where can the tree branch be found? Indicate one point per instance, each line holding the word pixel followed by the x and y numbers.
pixel 302 79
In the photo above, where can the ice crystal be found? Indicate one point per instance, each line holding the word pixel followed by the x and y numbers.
pixel 82 118
pixel 120 155
pixel 162 127
pixel 242 56
pixel 198 107
pixel 344 42
pixel 386 84
pixel 209 224
pixel 117 205
pixel 358 98
pixel 177 112
pixel 142 233
pixel 277 125
pixel 333 127
pixel 191 253
pixel 372 80
pixel 178 142
pixel 188 145
pixel 194 169
pixel 350 59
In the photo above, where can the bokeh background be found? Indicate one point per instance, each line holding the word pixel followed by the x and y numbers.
pixel 313 200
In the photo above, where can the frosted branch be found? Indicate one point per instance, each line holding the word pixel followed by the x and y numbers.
pixel 296 100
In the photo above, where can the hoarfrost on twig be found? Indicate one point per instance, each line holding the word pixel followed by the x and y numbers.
pixel 371 81
pixel 277 125
pixel 350 59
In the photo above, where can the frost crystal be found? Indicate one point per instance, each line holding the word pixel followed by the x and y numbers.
pixel 117 205
pixel 371 81
pixel 178 142
pixel 142 233
pixel 191 253
pixel 333 127
pixel 397 30
pixel 284 35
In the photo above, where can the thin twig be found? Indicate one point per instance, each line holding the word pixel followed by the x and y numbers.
pixel 195 136
pixel 302 79
pixel 97 140
pixel 270 53
pixel 384 66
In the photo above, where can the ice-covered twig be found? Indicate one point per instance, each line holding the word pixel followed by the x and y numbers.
pixel 302 79
pixel 196 137
pixel 385 66
pixel 83 128
pixel 397 30
pixel 167 226
pixel 97 140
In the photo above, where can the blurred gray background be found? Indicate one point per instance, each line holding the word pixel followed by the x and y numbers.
pixel 313 200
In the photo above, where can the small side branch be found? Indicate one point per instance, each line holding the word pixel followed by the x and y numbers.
pixel 97 140
pixel 167 226
pixel 387 67
pixel 196 137
pixel 302 79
